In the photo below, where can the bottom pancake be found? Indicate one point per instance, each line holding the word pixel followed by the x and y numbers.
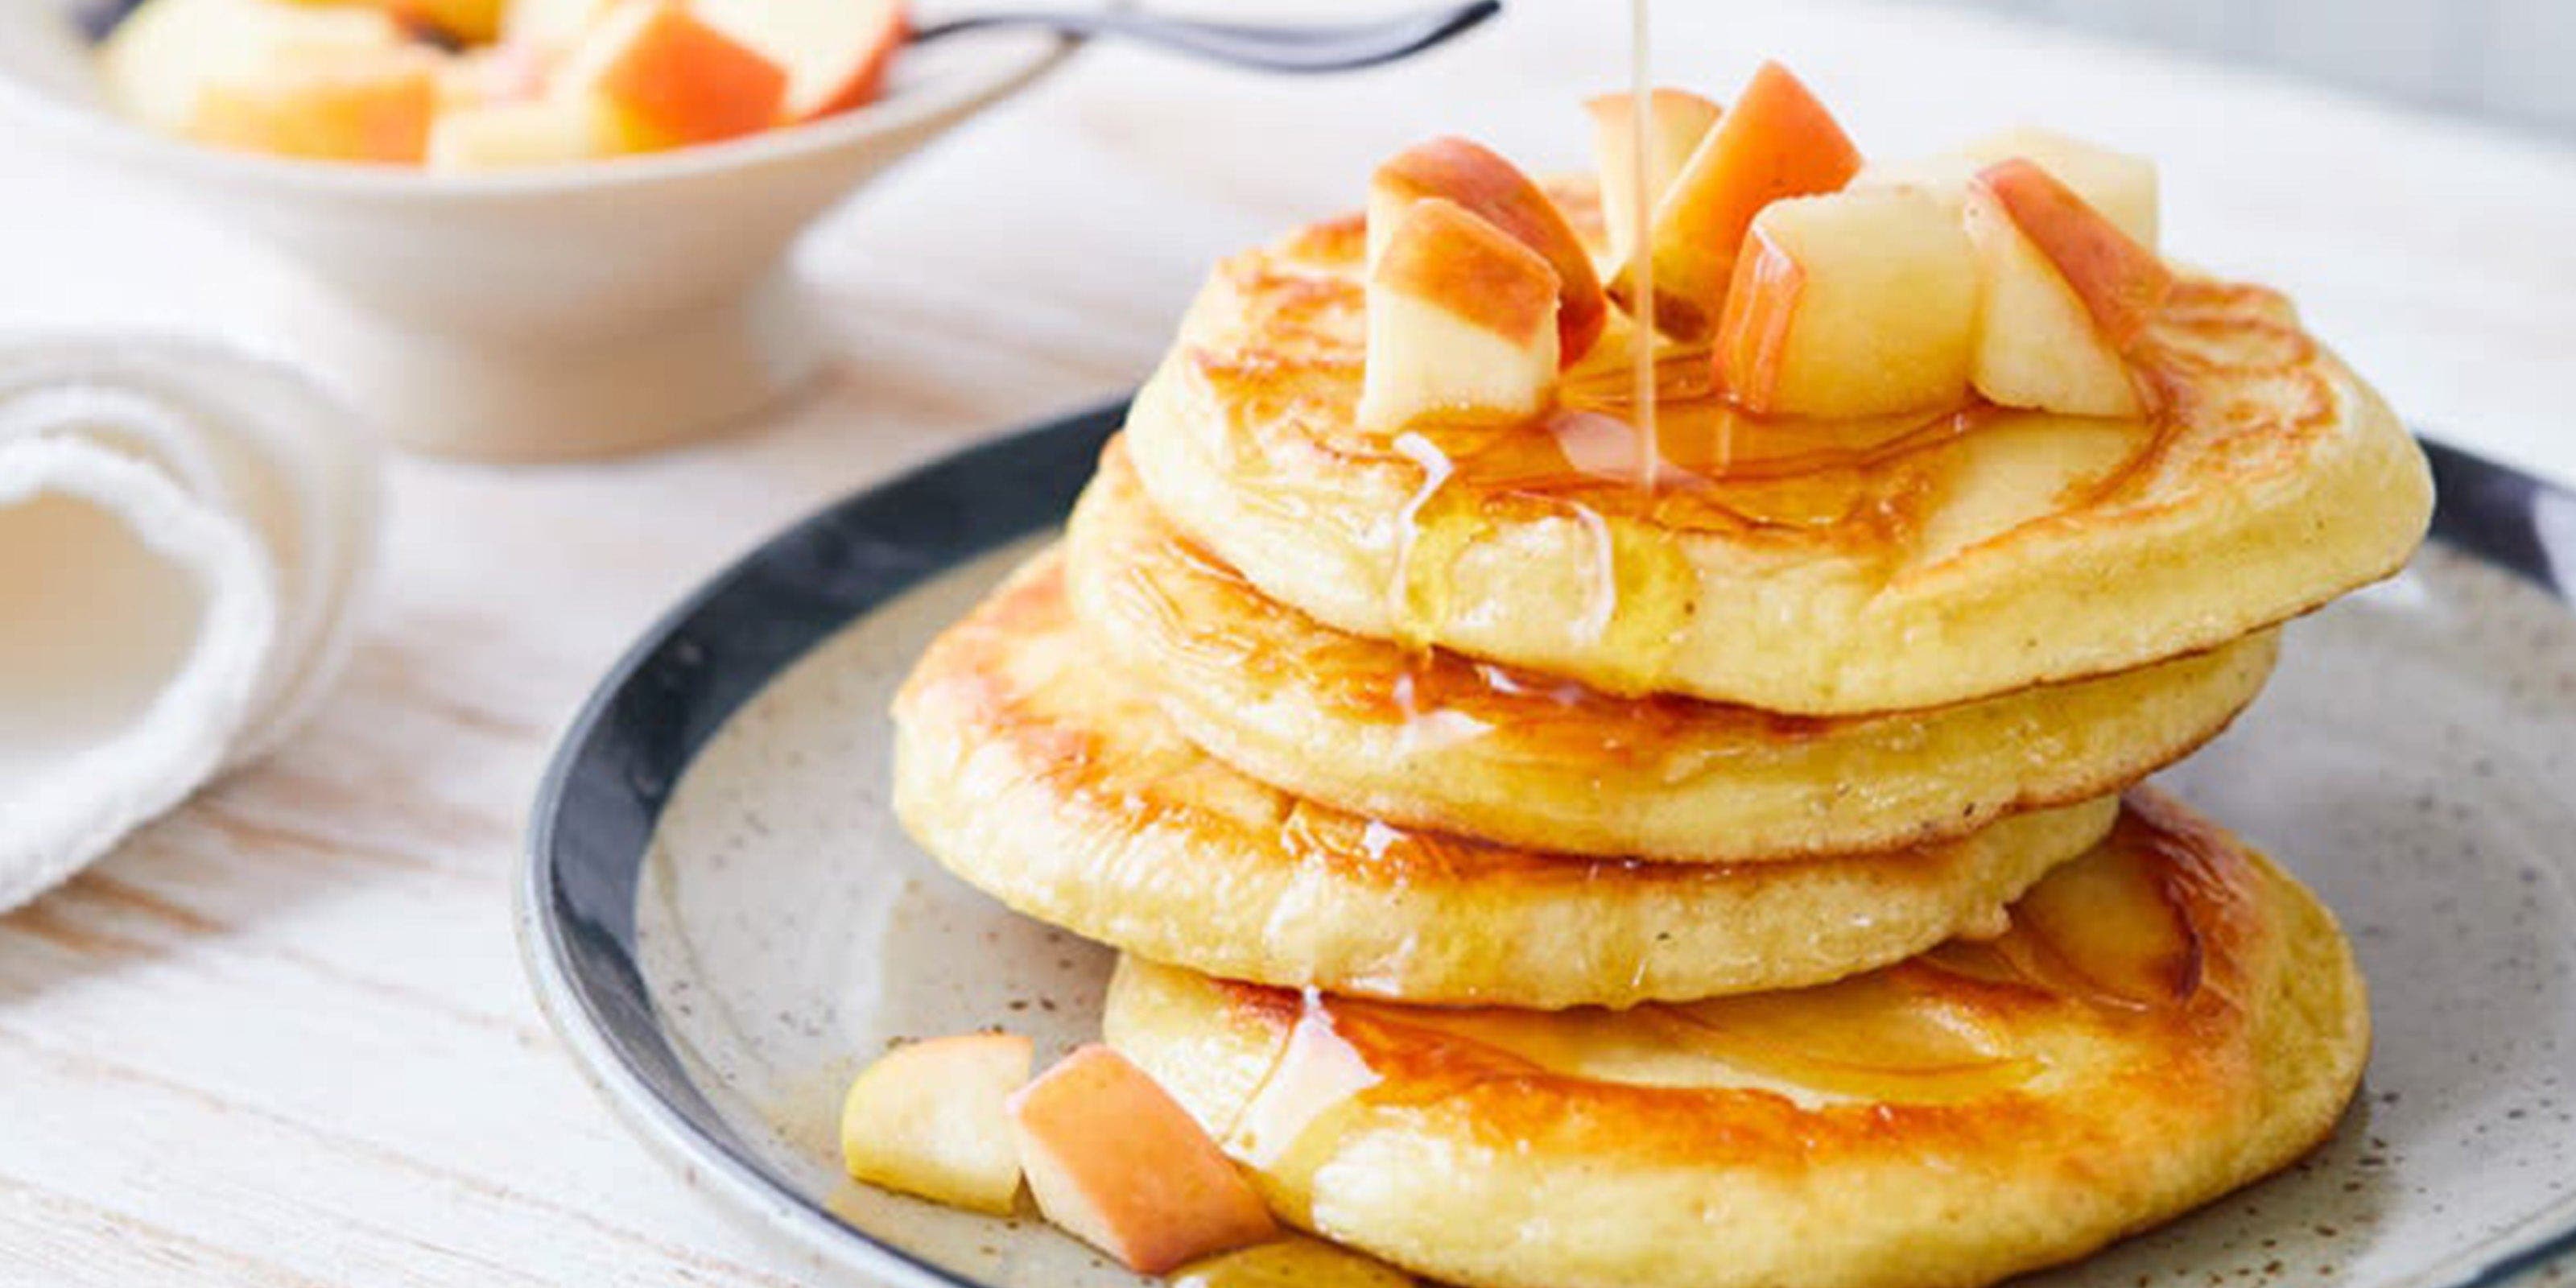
pixel 1031 770
pixel 2169 1018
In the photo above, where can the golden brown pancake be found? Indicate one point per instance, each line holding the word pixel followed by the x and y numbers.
pixel 1430 739
pixel 1059 787
pixel 1809 567
pixel 2168 1018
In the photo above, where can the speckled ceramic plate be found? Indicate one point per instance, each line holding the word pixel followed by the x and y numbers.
pixel 725 921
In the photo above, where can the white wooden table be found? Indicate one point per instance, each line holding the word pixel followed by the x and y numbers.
pixel 282 1037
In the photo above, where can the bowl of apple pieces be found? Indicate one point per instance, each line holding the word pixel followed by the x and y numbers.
pixel 535 229
pixel 465 86
pixel 1606 718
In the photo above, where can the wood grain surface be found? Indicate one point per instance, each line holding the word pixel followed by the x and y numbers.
pixel 282 1038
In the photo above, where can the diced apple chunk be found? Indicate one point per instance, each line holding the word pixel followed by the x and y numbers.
pixel 1494 190
pixel 1292 1263
pixel 933 1119
pixel 1117 1163
pixel 658 77
pixel 1776 141
pixel 1461 323
pixel 333 106
pixel 156 64
pixel 836 52
pixel 2120 185
pixel 1852 304
pixel 468 21
pixel 2066 295
pixel 475 21
pixel 1676 120
pixel 511 135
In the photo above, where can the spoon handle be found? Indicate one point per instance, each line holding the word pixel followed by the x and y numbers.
pixel 1278 48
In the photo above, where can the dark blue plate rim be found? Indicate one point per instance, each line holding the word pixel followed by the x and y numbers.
pixel 658 705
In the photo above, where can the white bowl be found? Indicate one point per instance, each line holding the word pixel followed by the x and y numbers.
pixel 564 312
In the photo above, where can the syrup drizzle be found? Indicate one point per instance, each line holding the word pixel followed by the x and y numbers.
pixel 1641 360
pixel 2120 939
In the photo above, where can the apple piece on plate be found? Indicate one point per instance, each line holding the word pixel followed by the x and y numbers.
pixel 1292 1263
pixel 510 135
pixel 1851 304
pixel 1676 120
pixel 2120 185
pixel 835 51
pixel 1462 322
pixel 1776 141
pixel 1494 190
pixel 933 1119
pixel 326 106
pixel 2066 295
pixel 157 63
pixel 1117 1163
pixel 657 77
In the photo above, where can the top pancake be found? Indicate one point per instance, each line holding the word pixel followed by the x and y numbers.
pixel 1810 568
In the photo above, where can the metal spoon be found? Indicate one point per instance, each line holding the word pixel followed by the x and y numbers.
pixel 1278 48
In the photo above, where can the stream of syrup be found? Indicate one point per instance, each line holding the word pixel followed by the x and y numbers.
pixel 1641 359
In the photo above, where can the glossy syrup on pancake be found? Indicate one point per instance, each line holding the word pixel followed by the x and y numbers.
pixel 1816 566
pixel 1060 786
pixel 2164 1020
pixel 1434 739
pixel 1641 427
pixel 2118 937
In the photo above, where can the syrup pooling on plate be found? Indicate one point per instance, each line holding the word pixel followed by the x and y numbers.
pixel 2117 938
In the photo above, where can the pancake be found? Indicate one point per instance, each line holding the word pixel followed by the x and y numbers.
pixel 1050 782
pixel 2169 1018
pixel 1433 740
pixel 1819 568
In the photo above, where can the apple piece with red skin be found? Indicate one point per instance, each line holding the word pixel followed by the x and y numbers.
pixel 2066 296
pixel 2119 184
pixel 836 52
pixel 1855 303
pixel 933 1119
pixel 1776 141
pixel 1494 190
pixel 1116 1162
pixel 1462 323
pixel 1676 121
pixel 658 77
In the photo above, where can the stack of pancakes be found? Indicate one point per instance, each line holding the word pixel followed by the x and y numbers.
pixel 1536 876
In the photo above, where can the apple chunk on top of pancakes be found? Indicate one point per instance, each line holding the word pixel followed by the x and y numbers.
pixel 1926 432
